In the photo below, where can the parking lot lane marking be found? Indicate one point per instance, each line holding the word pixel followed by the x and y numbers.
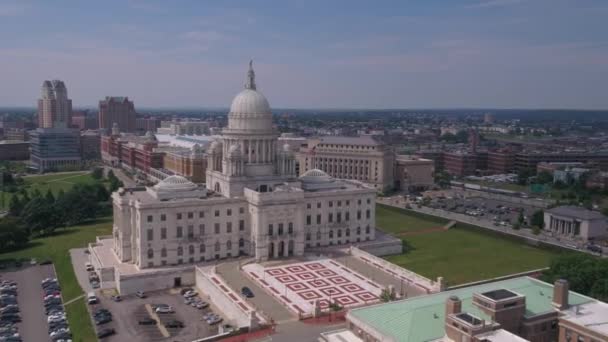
pixel 160 325
pixel 73 300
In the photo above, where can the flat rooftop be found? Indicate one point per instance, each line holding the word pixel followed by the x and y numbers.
pixel 422 318
pixel 592 315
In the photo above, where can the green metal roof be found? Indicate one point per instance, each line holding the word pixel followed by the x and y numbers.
pixel 422 318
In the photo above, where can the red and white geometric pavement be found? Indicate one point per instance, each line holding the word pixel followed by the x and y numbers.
pixel 299 285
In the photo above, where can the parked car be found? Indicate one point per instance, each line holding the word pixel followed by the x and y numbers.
pixel 245 291
pixel 190 294
pixel 89 267
pixel 116 298
pixel 174 324
pixel 147 321
pixel 140 294
pixel 105 332
pixel 164 309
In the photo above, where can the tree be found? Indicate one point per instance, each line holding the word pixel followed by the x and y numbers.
pixel 544 177
pixel 15 206
pixel 522 176
pixel 97 173
pixel 115 183
pixel 77 205
pixel 36 193
pixel 520 218
pixel 12 234
pixel 516 225
pixel 538 219
pixel 600 289
pixel 49 197
pixel 111 174
pixel 586 274
pixel 39 217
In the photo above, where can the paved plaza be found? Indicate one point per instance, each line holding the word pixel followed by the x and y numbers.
pixel 298 286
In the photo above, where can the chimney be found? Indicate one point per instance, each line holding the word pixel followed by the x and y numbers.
pixel 453 306
pixel 560 294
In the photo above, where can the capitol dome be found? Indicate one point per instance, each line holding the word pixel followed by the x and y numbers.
pixel 250 111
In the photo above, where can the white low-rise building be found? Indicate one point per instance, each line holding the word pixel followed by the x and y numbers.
pixel 576 222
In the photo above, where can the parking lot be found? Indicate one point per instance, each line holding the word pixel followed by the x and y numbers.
pixel 500 213
pixel 33 326
pixel 131 311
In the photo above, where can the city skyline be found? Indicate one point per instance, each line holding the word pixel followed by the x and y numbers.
pixel 465 54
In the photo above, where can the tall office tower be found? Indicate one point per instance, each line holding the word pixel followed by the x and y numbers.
pixel 119 110
pixel 54 107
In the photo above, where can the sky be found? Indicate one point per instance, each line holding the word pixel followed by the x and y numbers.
pixel 310 53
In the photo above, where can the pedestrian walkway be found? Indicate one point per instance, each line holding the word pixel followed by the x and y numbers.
pixel 262 301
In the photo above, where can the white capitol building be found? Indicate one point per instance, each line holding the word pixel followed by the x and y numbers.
pixel 253 204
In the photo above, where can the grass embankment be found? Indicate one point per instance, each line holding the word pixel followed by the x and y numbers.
pixel 461 254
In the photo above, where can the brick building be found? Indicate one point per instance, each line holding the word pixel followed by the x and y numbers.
pixel 119 110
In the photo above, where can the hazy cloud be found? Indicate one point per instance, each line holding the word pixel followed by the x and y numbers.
pixel 494 3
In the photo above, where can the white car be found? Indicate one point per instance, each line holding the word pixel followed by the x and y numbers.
pixel 164 309
pixel 190 294
pixel 57 318
pixel 59 332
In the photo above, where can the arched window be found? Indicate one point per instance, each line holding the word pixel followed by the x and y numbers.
pixel 331 234
pixel 290 228
pixel 217 246
pixel 367 230
pixel 339 232
pixel 318 235
pixel 217 187
pixel 180 251
pixel 229 245
pixel 201 248
pixel 191 249
pixel 241 242
pixel 358 230
pixel 347 231
pixel 150 253
pixel 163 252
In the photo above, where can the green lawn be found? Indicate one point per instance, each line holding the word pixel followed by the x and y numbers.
pixel 54 182
pixel 57 248
pixel 463 253
pixel 395 220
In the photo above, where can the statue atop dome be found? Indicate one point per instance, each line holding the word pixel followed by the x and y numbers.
pixel 250 83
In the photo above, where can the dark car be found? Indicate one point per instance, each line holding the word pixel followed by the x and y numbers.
pixel 45 262
pixel 103 320
pixel 105 332
pixel 245 291
pixel 174 324
pixel 147 321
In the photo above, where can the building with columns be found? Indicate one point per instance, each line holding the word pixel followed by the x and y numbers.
pixel 576 223
pixel 363 158
pixel 253 204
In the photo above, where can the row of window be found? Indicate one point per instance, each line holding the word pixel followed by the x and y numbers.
pixel 338 203
pixel 191 249
pixel 339 233
pixel 190 215
pixel 330 217
pixel 179 231
pixel 280 227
